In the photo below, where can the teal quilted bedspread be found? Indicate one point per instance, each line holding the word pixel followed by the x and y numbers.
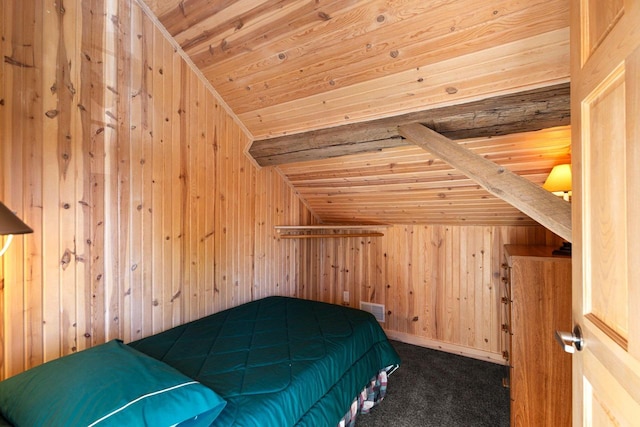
pixel 278 361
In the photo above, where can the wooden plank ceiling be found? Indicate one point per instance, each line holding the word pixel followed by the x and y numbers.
pixel 407 185
pixel 291 70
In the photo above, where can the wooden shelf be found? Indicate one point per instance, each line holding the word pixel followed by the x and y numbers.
pixel 328 231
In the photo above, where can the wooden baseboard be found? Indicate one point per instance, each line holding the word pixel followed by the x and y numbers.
pixel 447 347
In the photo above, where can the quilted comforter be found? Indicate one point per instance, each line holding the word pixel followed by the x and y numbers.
pixel 278 361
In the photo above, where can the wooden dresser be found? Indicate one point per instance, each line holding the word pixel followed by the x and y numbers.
pixel 536 299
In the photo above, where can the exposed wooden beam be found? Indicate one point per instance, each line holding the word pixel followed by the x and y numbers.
pixel 502 115
pixel 542 206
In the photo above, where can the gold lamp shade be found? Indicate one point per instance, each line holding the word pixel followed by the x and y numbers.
pixel 10 223
pixel 559 180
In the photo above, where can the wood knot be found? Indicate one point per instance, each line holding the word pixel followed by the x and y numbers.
pixel 66 259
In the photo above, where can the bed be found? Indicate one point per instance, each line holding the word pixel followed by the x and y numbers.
pixel 277 361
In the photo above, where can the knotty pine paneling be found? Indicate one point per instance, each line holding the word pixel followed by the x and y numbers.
pixel 439 283
pixel 292 66
pixel 146 211
pixel 409 185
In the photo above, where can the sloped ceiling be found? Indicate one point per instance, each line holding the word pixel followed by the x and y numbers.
pixel 293 66
pixel 406 185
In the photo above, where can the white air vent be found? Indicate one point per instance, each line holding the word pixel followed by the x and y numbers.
pixel 376 309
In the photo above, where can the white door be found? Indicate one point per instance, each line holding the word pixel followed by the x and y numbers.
pixel 605 109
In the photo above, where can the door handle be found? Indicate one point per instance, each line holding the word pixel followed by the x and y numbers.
pixel 570 342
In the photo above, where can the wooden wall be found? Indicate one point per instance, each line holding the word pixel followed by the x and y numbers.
pixel 440 283
pixel 146 211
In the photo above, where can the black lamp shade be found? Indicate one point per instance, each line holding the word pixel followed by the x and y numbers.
pixel 11 224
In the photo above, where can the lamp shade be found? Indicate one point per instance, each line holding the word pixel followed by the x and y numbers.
pixel 559 180
pixel 10 223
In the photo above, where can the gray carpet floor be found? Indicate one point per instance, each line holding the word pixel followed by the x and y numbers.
pixel 434 388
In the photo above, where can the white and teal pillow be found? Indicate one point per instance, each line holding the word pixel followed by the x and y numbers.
pixel 107 385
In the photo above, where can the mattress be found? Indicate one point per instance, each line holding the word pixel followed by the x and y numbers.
pixel 278 361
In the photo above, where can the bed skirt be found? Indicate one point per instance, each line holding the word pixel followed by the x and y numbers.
pixel 372 394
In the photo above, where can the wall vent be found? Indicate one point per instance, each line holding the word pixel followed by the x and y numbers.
pixel 376 309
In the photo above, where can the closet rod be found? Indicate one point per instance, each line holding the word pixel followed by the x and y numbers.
pixel 329 236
